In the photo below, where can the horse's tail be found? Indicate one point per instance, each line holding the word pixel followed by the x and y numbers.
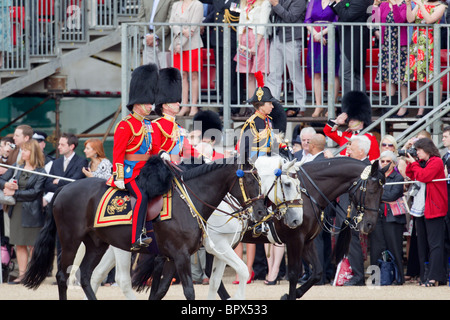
pixel 145 265
pixel 343 242
pixel 41 262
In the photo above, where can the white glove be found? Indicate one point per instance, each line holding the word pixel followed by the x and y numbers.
pixel 165 156
pixel 120 184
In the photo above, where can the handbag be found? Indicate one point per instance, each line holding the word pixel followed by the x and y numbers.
pixel 399 207
pixel 388 269
pixel 344 272
pixel 7 200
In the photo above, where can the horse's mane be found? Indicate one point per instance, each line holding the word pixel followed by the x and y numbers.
pixel 319 166
pixel 202 169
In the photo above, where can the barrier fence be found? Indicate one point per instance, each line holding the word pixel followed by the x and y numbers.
pixel 311 71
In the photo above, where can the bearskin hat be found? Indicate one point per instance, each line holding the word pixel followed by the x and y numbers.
pixel 143 85
pixel 262 93
pixel 279 119
pixel 169 88
pixel 209 120
pixel 357 106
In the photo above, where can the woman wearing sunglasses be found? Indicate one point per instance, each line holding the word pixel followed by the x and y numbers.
pixel 388 234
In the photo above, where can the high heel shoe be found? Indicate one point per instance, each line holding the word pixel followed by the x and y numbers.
pixel 251 279
pixel 271 283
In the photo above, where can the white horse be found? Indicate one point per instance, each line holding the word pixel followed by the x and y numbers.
pixel 279 183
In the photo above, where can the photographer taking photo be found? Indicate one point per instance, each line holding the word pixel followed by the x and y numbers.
pixel 430 227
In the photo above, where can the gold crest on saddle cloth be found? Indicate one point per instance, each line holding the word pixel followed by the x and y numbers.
pixel 117 205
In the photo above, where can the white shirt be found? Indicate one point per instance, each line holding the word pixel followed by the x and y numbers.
pixel 67 160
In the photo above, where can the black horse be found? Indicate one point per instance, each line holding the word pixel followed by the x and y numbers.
pixel 322 182
pixel 74 208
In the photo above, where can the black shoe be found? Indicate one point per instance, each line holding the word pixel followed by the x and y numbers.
pixel 402 116
pixel 354 282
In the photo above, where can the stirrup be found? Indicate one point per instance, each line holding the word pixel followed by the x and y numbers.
pixel 142 242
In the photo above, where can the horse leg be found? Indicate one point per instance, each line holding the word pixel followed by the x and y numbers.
pixel 224 255
pixel 103 268
pixel 67 256
pixel 163 276
pixel 221 291
pixel 215 279
pixel 123 276
pixel 93 255
pixel 311 257
pixel 183 266
pixel 294 250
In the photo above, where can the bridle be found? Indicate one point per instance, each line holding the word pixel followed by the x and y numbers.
pixel 280 206
pixel 244 208
pixel 360 184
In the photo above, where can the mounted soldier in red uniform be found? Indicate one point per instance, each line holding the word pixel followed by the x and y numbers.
pixel 132 146
pixel 169 139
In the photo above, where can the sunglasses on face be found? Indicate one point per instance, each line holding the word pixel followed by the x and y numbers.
pixel 385 161
pixel 390 145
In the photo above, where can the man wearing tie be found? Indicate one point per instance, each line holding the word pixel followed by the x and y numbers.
pixel 156 39
pixel 68 166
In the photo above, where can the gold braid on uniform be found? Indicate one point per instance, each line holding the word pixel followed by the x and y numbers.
pixel 229 18
pixel 260 138
pixel 173 137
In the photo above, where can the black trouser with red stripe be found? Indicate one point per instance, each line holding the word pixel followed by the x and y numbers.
pixel 139 210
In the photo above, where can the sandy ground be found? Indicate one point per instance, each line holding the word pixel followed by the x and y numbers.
pixel 255 291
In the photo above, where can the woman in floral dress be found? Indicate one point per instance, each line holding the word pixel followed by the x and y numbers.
pixel 394 49
pixel 421 57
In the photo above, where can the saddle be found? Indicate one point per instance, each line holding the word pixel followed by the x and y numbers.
pixel 116 208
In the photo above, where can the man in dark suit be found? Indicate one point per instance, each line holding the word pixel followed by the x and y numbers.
pixel 358 148
pixel 323 240
pixel 156 39
pixel 225 11
pixel 354 40
pixel 68 166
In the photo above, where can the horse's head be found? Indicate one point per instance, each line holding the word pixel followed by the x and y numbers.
pixel 280 184
pixel 367 197
pixel 248 192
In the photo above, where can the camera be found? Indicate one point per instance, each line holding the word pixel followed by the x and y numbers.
pixel 411 151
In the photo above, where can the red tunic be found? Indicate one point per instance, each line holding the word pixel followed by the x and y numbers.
pixel 170 137
pixel 132 145
pixel 342 137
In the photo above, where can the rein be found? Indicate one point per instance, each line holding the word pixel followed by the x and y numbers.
pixel 361 183
pixel 286 204
pixel 183 189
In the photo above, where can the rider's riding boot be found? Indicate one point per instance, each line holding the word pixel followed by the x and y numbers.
pixel 142 242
